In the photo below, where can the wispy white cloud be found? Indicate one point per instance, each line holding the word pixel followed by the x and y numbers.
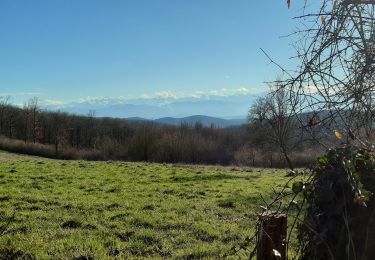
pixel 161 95
pixel 234 91
pixel 165 94
pixel 51 102
pixel 197 94
pixel 101 100
pixel 92 100
pixel 161 98
pixel 223 92
pixel 320 90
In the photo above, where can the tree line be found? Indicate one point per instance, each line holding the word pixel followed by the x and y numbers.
pixel 30 129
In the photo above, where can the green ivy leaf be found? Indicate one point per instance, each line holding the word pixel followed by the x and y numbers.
pixel 297 187
pixel 332 156
pixel 323 160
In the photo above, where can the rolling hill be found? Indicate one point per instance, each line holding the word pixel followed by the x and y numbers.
pixel 191 120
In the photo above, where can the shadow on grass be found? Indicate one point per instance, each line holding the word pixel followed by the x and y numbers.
pixel 240 200
pixel 215 177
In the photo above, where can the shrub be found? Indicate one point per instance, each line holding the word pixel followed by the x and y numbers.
pixel 38 149
pixel 340 217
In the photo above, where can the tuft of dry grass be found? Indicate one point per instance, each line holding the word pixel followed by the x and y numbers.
pixel 48 151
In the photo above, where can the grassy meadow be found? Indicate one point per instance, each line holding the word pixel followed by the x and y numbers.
pixel 106 210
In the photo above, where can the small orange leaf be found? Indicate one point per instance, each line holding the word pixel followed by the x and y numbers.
pixel 338 135
pixel 323 20
pixel 288 4
pixel 334 4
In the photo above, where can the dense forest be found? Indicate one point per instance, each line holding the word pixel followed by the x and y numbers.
pixel 32 130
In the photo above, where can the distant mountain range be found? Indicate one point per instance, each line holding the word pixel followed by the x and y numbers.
pixel 221 109
pixel 191 120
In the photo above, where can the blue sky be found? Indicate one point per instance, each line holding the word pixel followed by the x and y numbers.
pixel 67 50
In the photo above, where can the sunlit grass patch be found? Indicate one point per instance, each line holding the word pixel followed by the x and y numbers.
pixel 103 210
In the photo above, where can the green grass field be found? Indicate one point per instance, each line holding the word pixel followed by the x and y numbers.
pixel 104 210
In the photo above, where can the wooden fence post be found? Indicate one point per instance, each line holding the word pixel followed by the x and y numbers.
pixel 272 236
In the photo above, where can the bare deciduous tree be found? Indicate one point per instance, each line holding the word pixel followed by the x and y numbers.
pixel 4 104
pixel 276 114
pixel 336 76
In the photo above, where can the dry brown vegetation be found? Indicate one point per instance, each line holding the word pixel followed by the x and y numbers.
pixel 30 130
